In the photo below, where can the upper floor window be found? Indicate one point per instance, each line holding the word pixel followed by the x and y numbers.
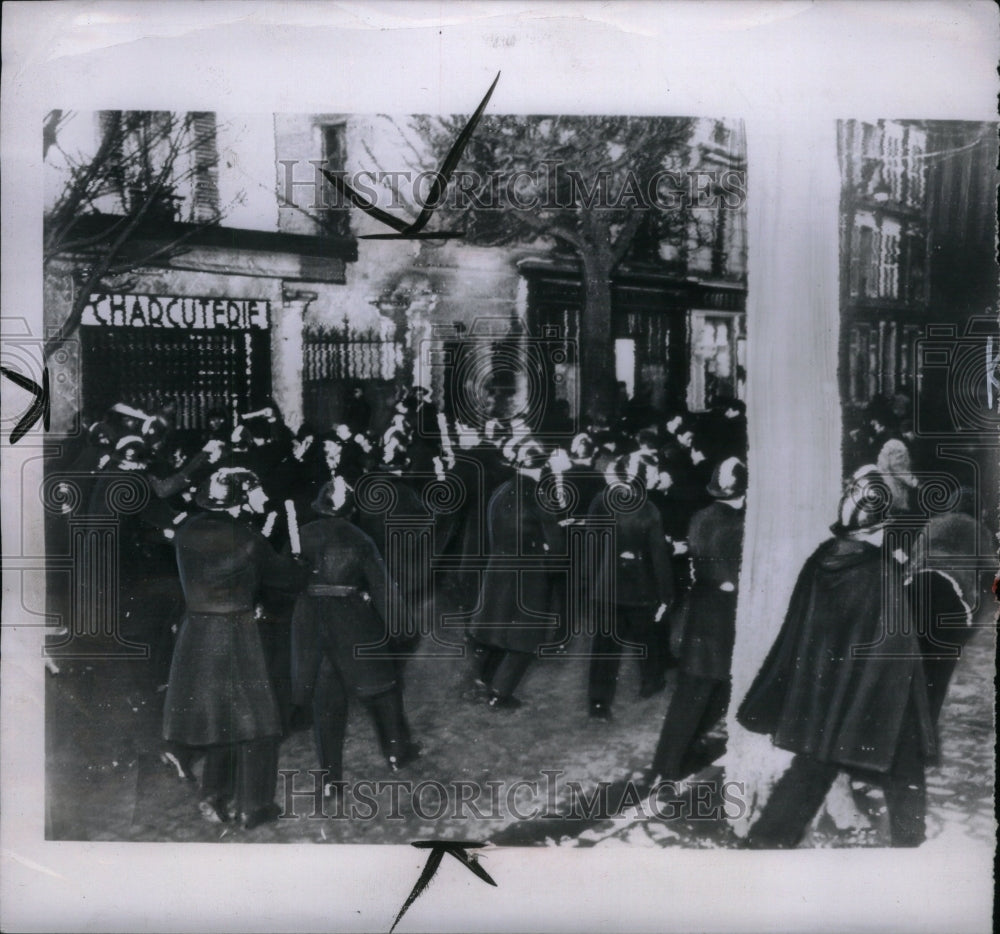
pixel 875 252
pixel 335 218
pixel 163 164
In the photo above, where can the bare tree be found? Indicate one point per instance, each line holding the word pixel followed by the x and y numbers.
pixel 584 186
pixel 120 206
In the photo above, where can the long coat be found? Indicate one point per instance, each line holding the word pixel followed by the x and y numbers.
pixel 338 554
pixel 377 510
pixel 520 600
pixel 641 564
pixel 812 694
pixel 708 614
pixel 219 689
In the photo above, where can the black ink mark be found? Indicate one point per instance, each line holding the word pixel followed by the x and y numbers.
pixel 39 406
pixel 438 849
pixel 413 231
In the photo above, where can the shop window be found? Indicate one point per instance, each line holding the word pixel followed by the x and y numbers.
pixel 916 169
pixel 625 364
pixel 892 155
pixel 717 349
pixel 908 362
pixel 857 364
pixel 642 352
pixel 875 257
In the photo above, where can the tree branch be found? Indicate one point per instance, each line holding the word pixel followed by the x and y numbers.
pixel 627 234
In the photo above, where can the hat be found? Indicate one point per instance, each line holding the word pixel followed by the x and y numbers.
pixel 636 463
pixel 257 426
pixel 226 488
pixel 864 503
pixel 155 427
pixel 100 434
pixel 617 471
pixel 729 479
pixel 130 442
pixel 128 411
pixel 335 498
pixel 530 455
pixel 395 450
pixel 894 459
pixel 676 423
pixel 582 447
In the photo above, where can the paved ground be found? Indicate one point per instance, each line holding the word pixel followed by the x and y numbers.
pixel 105 780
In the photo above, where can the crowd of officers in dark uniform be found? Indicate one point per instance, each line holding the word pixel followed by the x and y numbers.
pixel 289 602
pixel 283 610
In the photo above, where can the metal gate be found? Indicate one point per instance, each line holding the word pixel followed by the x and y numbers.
pixel 335 358
pixel 199 370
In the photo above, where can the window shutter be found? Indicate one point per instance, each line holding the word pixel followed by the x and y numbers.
pixel 205 152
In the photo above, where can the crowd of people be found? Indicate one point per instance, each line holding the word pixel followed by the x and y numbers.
pixel 293 599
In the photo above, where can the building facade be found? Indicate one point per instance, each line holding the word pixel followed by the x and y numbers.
pixel 243 280
pixel 918 271
pixel 169 271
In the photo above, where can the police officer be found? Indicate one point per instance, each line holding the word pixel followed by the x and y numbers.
pixel 219 697
pixel 715 540
pixel 341 645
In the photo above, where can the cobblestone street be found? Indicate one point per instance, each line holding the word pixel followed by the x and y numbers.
pixel 524 769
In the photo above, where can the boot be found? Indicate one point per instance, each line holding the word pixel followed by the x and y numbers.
pixel 392 729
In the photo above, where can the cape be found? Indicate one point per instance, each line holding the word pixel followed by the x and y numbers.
pixel 845 666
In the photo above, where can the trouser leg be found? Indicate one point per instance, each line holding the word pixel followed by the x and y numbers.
pixel 280 669
pixel 649 662
pixel 510 671
pixel 330 708
pixel 487 659
pixel 906 789
pixel 794 801
pixel 390 725
pixel 218 776
pixel 257 774
pixel 605 663
pixel 655 639
pixel 715 707
pixel 689 706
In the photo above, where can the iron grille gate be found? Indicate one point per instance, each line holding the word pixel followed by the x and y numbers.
pixel 199 370
pixel 331 359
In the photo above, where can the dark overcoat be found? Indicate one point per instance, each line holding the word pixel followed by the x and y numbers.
pixel 480 471
pixel 520 598
pixel 383 496
pixel 819 691
pixel 708 614
pixel 641 564
pixel 219 689
pixel 338 554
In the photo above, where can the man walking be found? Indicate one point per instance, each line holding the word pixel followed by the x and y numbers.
pixel 843 686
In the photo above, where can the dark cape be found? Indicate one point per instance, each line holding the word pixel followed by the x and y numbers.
pixel 844 669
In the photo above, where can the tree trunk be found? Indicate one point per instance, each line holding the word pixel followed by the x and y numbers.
pixel 597 382
pixel 793 402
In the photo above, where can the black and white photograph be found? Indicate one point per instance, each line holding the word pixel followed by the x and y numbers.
pixel 532 480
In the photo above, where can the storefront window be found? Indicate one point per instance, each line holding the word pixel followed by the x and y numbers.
pixel 717 354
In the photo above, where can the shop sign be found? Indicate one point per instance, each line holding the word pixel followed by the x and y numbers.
pixel 157 311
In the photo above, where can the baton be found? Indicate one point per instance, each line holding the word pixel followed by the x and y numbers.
pixel 293 527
